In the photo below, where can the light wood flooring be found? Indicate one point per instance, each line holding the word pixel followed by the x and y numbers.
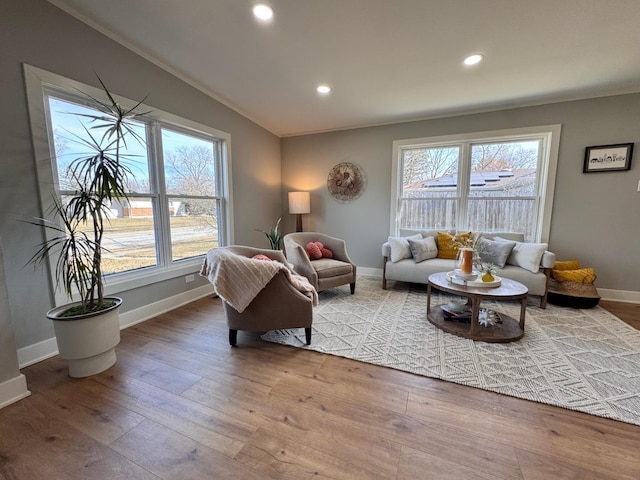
pixel 181 404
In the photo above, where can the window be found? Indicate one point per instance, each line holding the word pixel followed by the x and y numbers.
pixel 492 181
pixel 179 202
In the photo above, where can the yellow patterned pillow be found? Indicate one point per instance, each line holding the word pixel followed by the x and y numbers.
pixel 582 275
pixel 446 249
pixel 567 265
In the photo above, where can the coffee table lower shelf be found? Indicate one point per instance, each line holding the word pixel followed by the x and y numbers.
pixel 507 331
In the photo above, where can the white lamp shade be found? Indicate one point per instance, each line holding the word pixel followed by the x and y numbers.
pixel 299 202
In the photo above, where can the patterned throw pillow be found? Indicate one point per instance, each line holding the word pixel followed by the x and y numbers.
pixel 526 255
pixel 495 252
pixel 446 249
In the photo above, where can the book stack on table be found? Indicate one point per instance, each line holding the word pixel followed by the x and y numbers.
pixel 456 315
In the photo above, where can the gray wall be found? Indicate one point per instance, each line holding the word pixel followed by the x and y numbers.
pixel 8 357
pixel 596 216
pixel 40 34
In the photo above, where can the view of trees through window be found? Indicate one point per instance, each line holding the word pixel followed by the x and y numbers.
pixel 489 186
pixel 174 202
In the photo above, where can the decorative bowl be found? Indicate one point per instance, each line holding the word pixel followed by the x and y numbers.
pixel 458 304
pixel 465 276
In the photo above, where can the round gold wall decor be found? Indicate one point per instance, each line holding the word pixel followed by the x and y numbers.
pixel 346 182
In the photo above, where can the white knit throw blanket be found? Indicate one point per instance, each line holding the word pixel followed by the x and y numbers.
pixel 238 279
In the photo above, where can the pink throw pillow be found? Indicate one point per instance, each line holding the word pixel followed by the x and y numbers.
pixel 326 253
pixel 314 250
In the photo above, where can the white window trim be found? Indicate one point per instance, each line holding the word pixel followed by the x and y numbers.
pixel 36 81
pixel 546 172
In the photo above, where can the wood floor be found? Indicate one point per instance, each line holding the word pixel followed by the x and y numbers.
pixel 181 404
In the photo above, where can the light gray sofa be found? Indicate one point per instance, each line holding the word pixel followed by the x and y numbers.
pixel 407 270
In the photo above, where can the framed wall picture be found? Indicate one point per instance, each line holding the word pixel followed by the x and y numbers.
pixel 607 158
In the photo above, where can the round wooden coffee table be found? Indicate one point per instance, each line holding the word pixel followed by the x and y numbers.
pixel 507 330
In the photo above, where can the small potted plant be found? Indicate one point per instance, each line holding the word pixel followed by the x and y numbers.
pixel 88 330
pixel 488 271
pixel 274 236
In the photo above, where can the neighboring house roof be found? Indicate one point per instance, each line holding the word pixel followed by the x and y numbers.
pixel 497 179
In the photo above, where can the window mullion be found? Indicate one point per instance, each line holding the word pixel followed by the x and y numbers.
pixel 221 189
pixel 464 181
pixel 163 236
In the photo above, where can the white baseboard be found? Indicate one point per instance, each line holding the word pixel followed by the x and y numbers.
pixel 605 293
pixel 13 390
pixel 376 272
pixel 624 296
pixel 146 312
pixel 37 352
pixel 48 348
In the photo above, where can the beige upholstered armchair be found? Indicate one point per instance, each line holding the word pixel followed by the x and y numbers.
pixel 259 295
pixel 323 273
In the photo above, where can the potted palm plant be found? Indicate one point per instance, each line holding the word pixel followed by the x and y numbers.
pixel 88 329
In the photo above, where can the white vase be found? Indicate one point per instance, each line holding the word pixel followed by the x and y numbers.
pixel 87 341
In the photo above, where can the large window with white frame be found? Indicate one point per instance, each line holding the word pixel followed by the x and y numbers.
pixel 488 181
pixel 179 203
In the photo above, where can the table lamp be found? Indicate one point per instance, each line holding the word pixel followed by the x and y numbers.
pixel 299 203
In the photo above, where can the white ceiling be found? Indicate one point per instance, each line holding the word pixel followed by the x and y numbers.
pixel 387 60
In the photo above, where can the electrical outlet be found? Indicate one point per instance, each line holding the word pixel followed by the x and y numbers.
pixel 189 278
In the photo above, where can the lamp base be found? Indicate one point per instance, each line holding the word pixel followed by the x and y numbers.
pixel 298 222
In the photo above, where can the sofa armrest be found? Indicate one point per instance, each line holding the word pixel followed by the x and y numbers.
pixel 301 263
pixel 338 247
pixel 548 259
pixel 386 250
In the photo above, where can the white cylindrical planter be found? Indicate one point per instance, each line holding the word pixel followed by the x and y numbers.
pixel 87 341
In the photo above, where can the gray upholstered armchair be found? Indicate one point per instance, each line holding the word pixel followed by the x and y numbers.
pixel 286 301
pixel 323 273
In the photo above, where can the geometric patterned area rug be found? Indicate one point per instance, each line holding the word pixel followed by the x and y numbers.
pixel 584 360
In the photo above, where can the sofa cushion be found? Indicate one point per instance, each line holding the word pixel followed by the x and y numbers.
pixel 526 255
pixel 423 249
pixel 494 251
pixel 580 275
pixel 316 250
pixel 313 250
pixel 446 247
pixel 567 265
pixel 328 267
pixel 400 247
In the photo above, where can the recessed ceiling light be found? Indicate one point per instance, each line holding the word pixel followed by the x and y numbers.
pixel 263 12
pixel 473 59
pixel 324 89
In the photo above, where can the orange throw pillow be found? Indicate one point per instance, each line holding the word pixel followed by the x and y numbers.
pixel 567 265
pixel 446 249
pixel 581 275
